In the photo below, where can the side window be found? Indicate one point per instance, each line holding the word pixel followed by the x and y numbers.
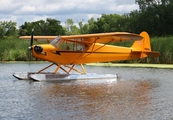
pixel 79 47
pixel 66 45
pixel 73 46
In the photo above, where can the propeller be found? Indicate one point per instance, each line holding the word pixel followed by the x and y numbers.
pixel 31 43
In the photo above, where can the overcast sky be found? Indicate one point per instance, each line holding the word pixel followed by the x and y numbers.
pixel 32 10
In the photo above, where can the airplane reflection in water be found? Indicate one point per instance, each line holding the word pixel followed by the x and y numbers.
pixel 126 99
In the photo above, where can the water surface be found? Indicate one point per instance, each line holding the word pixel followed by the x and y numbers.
pixel 141 93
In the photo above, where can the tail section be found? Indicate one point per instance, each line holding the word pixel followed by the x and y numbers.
pixel 143 46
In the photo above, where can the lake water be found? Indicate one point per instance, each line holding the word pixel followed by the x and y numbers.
pixel 140 93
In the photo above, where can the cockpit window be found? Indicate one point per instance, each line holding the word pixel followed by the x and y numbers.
pixel 68 45
pixel 71 46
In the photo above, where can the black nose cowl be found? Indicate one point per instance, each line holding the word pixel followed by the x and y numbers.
pixel 38 49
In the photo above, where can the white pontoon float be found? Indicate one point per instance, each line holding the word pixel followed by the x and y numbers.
pixel 60 77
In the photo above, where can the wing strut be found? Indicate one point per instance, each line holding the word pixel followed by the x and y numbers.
pixel 92 50
pixel 66 68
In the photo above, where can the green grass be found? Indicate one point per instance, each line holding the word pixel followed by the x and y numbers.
pixel 165 46
pixel 14 49
pixel 133 65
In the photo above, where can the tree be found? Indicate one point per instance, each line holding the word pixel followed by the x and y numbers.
pixel 54 27
pixel 156 16
pixel 70 28
pixel 8 29
pixel 83 28
pixel 25 29
pixel 93 28
pixel 41 27
pixel 108 23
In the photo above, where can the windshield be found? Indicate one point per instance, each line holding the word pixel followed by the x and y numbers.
pixel 55 41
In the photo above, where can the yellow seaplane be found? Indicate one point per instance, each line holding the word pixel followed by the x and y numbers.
pixel 65 52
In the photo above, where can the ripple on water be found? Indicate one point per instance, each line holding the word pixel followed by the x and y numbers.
pixel 141 93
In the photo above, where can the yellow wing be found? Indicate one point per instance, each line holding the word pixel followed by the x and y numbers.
pixel 94 38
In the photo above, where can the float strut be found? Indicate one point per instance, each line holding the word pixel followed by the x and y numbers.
pixel 45 68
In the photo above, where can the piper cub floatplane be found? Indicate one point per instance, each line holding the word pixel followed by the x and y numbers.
pixel 65 52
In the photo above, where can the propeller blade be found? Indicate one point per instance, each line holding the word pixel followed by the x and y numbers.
pixel 29 56
pixel 32 38
pixel 31 43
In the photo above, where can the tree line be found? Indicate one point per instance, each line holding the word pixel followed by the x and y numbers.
pixel 153 16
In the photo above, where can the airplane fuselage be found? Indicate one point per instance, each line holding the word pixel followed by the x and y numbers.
pixel 95 53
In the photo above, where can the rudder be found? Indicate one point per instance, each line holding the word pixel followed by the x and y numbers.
pixel 142 45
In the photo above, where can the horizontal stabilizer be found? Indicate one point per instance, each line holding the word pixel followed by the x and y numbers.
pixel 150 54
pixel 153 54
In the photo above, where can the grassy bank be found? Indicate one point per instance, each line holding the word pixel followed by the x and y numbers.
pixel 165 46
pixel 14 49
pixel 133 65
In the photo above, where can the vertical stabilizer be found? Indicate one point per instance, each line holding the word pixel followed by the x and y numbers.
pixel 142 45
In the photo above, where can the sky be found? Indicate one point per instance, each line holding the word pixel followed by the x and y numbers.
pixel 21 11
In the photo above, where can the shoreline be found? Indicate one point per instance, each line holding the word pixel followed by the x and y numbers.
pixel 132 65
